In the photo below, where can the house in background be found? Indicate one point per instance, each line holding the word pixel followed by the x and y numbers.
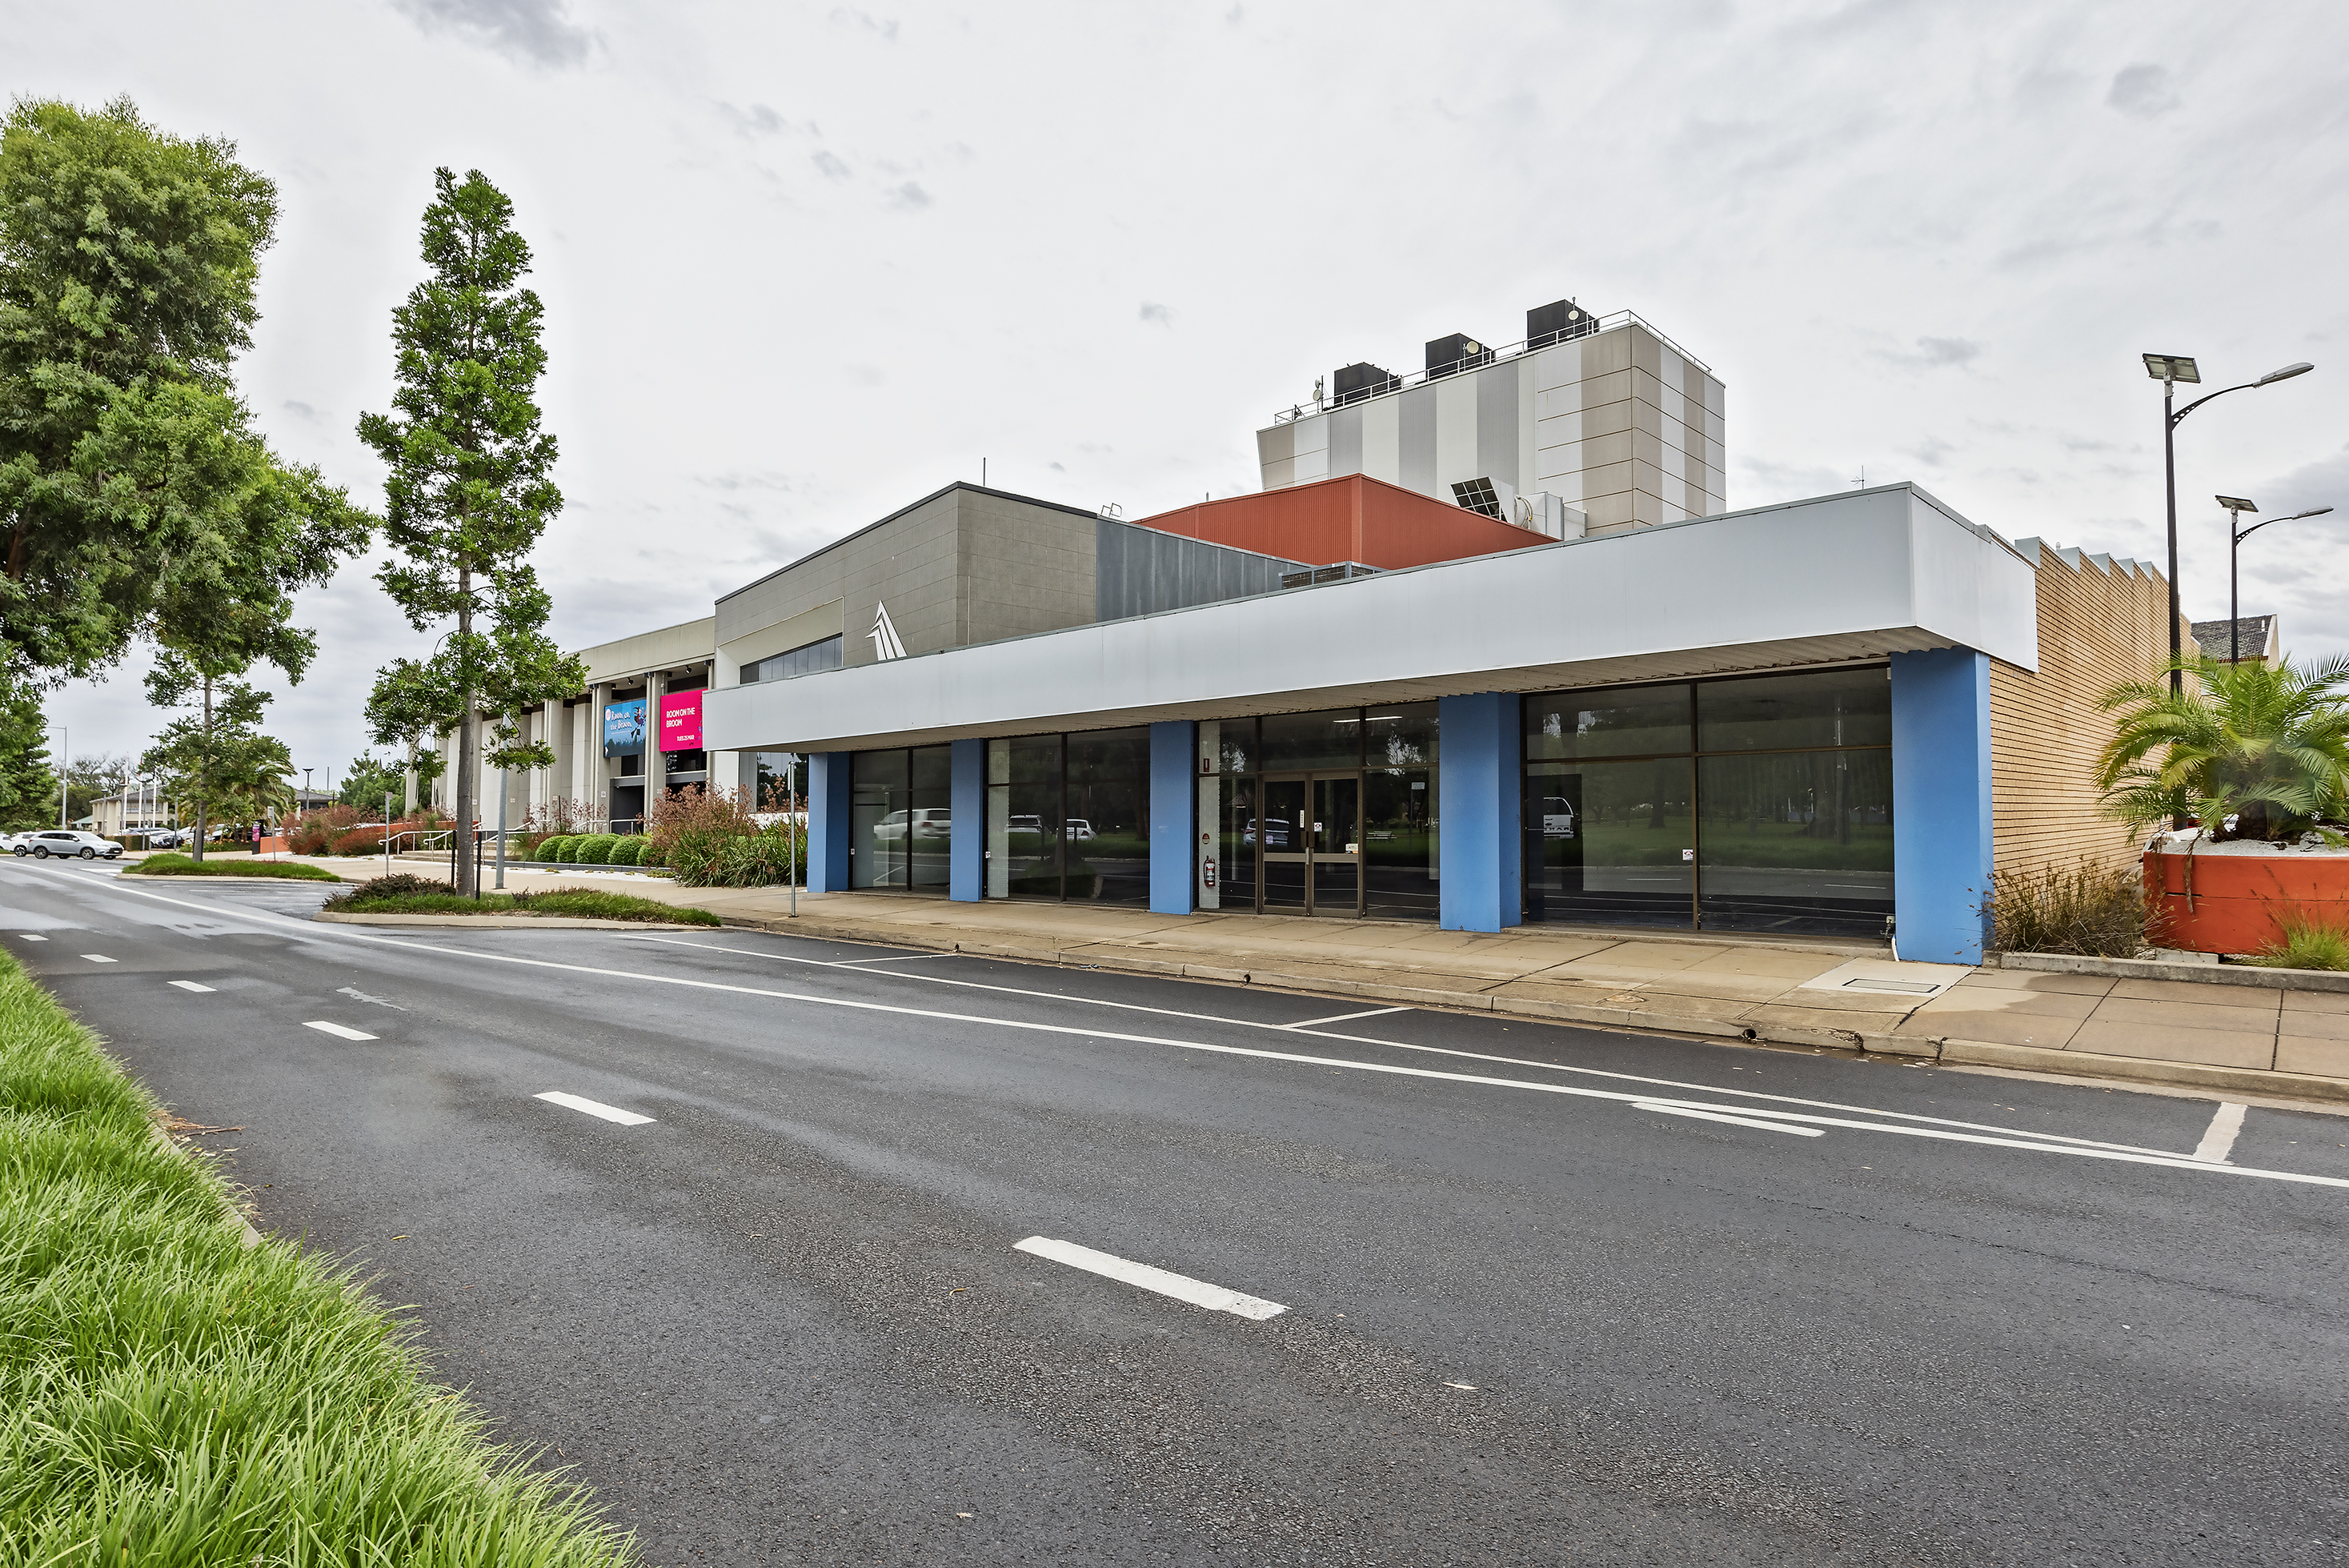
pixel 2255 638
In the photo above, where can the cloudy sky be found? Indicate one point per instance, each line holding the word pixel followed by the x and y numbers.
pixel 804 263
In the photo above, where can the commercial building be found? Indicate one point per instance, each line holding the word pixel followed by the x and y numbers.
pixel 1487 649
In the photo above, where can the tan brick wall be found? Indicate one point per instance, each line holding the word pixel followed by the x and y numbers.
pixel 2100 623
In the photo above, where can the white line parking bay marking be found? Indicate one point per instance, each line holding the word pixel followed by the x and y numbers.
pixel 191 985
pixel 594 1108
pixel 98 958
pixel 1725 1113
pixel 1183 1288
pixel 338 1030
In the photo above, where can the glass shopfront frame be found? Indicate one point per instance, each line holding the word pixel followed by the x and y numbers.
pixel 1068 817
pixel 1331 813
pixel 1743 804
pixel 900 827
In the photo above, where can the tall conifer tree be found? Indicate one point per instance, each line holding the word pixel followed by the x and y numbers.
pixel 470 489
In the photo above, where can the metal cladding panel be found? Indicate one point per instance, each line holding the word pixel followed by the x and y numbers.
pixel 1142 571
pixel 1497 422
pixel 1836 578
pixel 1415 438
pixel 1345 441
pixel 1382 440
pixel 1350 518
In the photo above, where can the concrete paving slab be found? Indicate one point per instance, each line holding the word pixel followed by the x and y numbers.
pixel 2299 1054
pixel 2027 980
pixel 2187 1015
pixel 2177 1042
pixel 2194 991
pixel 2333 1001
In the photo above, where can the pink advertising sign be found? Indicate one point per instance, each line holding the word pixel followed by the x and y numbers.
pixel 680 723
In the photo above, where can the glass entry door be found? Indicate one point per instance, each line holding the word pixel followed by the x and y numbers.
pixel 1308 835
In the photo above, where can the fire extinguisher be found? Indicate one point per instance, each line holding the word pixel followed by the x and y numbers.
pixel 1210 869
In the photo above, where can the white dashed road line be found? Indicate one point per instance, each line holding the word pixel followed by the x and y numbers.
pixel 2219 1141
pixel 30 936
pixel 98 958
pixel 594 1109
pixel 1183 1288
pixel 1727 1114
pixel 1346 1018
pixel 190 985
pixel 339 1032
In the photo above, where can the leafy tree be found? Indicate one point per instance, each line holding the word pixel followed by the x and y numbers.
pixel 367 782
pixel 29 784
pixel 2267 744
pixel 215 761
pixel 90 777
pixel 134 497
pixel 468 493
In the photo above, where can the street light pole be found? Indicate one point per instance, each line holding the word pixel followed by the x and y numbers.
pixel 2170 369
pixel 2236 506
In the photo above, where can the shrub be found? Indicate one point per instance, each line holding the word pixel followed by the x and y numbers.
pixel 743 861
pixel 687 828
pixel 2307 942
pixel 2093 910
pixel 596 849
pixel 625 853
pixel 2255 750
pixel 549 847
pixel 358 841
pixel 312 832
pixel 399 884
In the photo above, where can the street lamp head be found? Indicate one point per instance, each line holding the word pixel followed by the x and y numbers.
pixel 2236 504
pixel 2171 368
pixel 2313 512
pixel 2286 374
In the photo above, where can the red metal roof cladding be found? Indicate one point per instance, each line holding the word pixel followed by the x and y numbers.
pixel 1350 518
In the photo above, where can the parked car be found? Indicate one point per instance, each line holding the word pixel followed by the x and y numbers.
pixel 1079 829
pixel 925 825
pixel 171 838
pixel 1275 833
pixel 69 842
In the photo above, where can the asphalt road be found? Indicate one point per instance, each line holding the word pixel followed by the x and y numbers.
pixel 1950 1317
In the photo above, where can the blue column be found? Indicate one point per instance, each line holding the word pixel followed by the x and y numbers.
pixel 1482 842
pixel 966 848
pixel 828 798
pixel 1940 803
pixel 1174 797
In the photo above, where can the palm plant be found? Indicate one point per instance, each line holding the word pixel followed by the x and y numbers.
pixel 2265 744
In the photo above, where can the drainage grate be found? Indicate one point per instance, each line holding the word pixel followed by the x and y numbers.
pixel 1912 988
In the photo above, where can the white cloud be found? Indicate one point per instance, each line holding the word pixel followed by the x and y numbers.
pixel 537 32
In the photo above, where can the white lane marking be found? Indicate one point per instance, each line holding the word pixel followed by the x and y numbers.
pixel 2219 1141
pixel 190 985
pixel 31 938
pixel 338 1030
pixel 1725 1113
pixel 1345 1018
pixel 99 958
pixel 352 991
pixel 2080 1148
pixel 2036 1137
pixel 1182 1287
pixel 594 1109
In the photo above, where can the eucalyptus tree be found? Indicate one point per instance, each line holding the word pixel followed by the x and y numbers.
pixel 470 492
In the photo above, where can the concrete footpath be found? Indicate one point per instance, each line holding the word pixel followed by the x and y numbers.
pixel 2229 1031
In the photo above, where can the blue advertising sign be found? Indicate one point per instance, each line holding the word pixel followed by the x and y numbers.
pixel 624 728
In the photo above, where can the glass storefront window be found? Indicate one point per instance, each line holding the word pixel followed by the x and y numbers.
pixel 1773 812
pixel 1790 839
pixel 1777 713
pixel 1399 735
pixel 1619 721
pixel 899 830
pixel 1609 842
pixel 1297 742
pixel 1401 872
pixel 1069 816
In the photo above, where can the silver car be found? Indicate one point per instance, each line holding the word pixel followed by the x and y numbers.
pixel 69 842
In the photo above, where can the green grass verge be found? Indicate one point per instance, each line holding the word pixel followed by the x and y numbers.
pixel 583 904
pixel 172 864
pixel 168 1394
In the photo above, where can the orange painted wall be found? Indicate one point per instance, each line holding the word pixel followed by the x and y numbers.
pixel 1350 518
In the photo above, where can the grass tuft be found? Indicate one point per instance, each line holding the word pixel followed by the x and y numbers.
pixel 169 1395
pixel 2307 944
pixel 2092 909
pixel 173 864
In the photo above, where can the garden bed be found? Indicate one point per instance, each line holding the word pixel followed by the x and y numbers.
pixel 414 896
pixel 2238 896
pixel 176 865
pixel 168 1393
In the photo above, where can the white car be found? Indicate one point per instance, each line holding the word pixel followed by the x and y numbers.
pixel 68 842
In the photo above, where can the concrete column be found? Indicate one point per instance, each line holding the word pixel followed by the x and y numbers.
pixel 595 782
pixel 828 798
pixel 1483 842
pixel 656 759
pixel 554 729
pixel 1174 747
pixel 1940 803
pixel 966 854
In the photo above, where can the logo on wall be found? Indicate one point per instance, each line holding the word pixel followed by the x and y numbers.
pixel 885 635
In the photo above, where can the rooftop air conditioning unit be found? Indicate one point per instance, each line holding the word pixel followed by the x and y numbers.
pixel 1355 383
pixel 1458 352
pixel 1557 322
pixel 1546 514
